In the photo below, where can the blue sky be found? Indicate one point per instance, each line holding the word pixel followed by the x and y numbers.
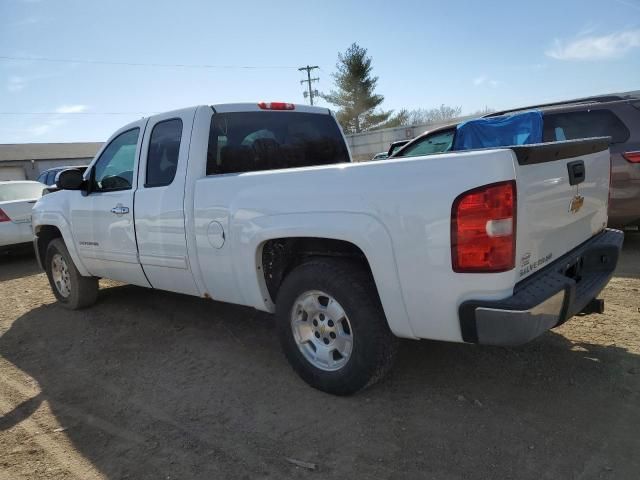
pixel 472 54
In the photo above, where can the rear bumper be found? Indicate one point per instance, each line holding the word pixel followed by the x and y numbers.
pixel 12 233
pixel 547 298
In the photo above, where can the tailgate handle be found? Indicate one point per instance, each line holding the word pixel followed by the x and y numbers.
pixel 576 172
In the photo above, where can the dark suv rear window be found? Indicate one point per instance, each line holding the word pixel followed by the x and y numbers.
pixel 584 124
pixel 251 141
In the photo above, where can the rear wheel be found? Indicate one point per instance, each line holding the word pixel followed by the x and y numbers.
pixel 332 327
pixel 71 289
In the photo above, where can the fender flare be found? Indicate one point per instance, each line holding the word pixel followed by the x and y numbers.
pixel 55 219
pixel 361 229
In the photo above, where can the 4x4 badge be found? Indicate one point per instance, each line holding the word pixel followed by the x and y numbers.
pixel 576 203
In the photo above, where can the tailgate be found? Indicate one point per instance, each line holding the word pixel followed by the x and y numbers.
pixel 563 190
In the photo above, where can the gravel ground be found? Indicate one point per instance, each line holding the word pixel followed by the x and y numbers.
pixel 162 386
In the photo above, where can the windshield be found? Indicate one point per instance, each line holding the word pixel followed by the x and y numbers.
pixel 436 143
pixel 251 141
pixel 20 191
pixel 396 146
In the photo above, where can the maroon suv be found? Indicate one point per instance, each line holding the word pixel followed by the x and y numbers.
pixel 616 116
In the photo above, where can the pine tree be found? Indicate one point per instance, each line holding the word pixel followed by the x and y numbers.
pixel 354 94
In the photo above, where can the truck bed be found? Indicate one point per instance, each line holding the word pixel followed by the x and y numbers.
pixel 398 212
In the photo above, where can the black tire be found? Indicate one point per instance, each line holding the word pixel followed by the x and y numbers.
pixel 83 290
pixel 352 287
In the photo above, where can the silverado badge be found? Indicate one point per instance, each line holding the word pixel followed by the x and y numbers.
pixel 576 203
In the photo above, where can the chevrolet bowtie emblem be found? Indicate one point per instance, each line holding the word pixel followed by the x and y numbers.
pixel 576 203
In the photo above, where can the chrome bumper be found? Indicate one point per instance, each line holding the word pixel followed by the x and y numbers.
pixel 547 298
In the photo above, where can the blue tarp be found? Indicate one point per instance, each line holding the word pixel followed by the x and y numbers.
pixel 505 130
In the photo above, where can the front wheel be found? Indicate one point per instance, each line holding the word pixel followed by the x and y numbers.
pixel 332 327
pixel 71 289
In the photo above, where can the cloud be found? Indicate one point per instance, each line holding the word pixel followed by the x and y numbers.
pixel 56 120
pixel 588 29
pixel 479 80
pixel 16 84
pixel 629 4
pixel 592 47
pixel 26 21
pixel 71 109
pixel 485 80
pixel 46 127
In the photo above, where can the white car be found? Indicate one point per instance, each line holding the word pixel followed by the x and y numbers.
pixel 16 201
pixel 259 205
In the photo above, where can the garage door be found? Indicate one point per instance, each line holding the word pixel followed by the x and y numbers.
pixel 12 173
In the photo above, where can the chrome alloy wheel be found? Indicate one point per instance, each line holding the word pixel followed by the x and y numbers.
pixel 60 274
pixel 322 330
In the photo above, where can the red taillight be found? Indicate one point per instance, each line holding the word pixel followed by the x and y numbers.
pixel 276 106
pixel 483 229
pixel 4 217
pixel 633 157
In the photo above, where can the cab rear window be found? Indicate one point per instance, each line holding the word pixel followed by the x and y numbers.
pixel 252 141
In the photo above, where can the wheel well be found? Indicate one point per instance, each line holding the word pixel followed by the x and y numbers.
pixel 45 234
pixel 281 255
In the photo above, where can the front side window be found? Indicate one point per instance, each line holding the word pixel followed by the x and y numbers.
pixel 251 141
pixel 584 124
pixel 439 142
pixel 114 168
pixel 162 158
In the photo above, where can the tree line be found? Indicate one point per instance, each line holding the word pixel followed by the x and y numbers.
pixel 358 104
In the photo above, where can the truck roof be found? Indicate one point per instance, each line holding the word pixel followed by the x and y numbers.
pixel 254 107
pixel 241 107
pixel 613 97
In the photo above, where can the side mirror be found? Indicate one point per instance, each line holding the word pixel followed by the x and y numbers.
pixel 70 180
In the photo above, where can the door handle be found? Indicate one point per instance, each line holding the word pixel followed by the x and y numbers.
pixel 120 210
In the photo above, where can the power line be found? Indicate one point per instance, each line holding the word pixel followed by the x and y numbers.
pixel 309 80
pixel 137 64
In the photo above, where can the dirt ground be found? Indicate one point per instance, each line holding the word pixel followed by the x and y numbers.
pixel 149 385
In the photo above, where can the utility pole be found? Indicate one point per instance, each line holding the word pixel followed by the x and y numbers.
pixel 311 93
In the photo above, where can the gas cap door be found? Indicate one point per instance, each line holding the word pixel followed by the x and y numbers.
pixel 215 234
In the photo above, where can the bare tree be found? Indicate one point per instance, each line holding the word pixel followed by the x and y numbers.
pixel 441 114
pixel 484 111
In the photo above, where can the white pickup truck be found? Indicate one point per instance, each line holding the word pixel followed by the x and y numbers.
pixel 259 205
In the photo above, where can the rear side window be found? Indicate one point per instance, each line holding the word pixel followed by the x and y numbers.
pixel 162 158
pixel 584 124
pixel 251 141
